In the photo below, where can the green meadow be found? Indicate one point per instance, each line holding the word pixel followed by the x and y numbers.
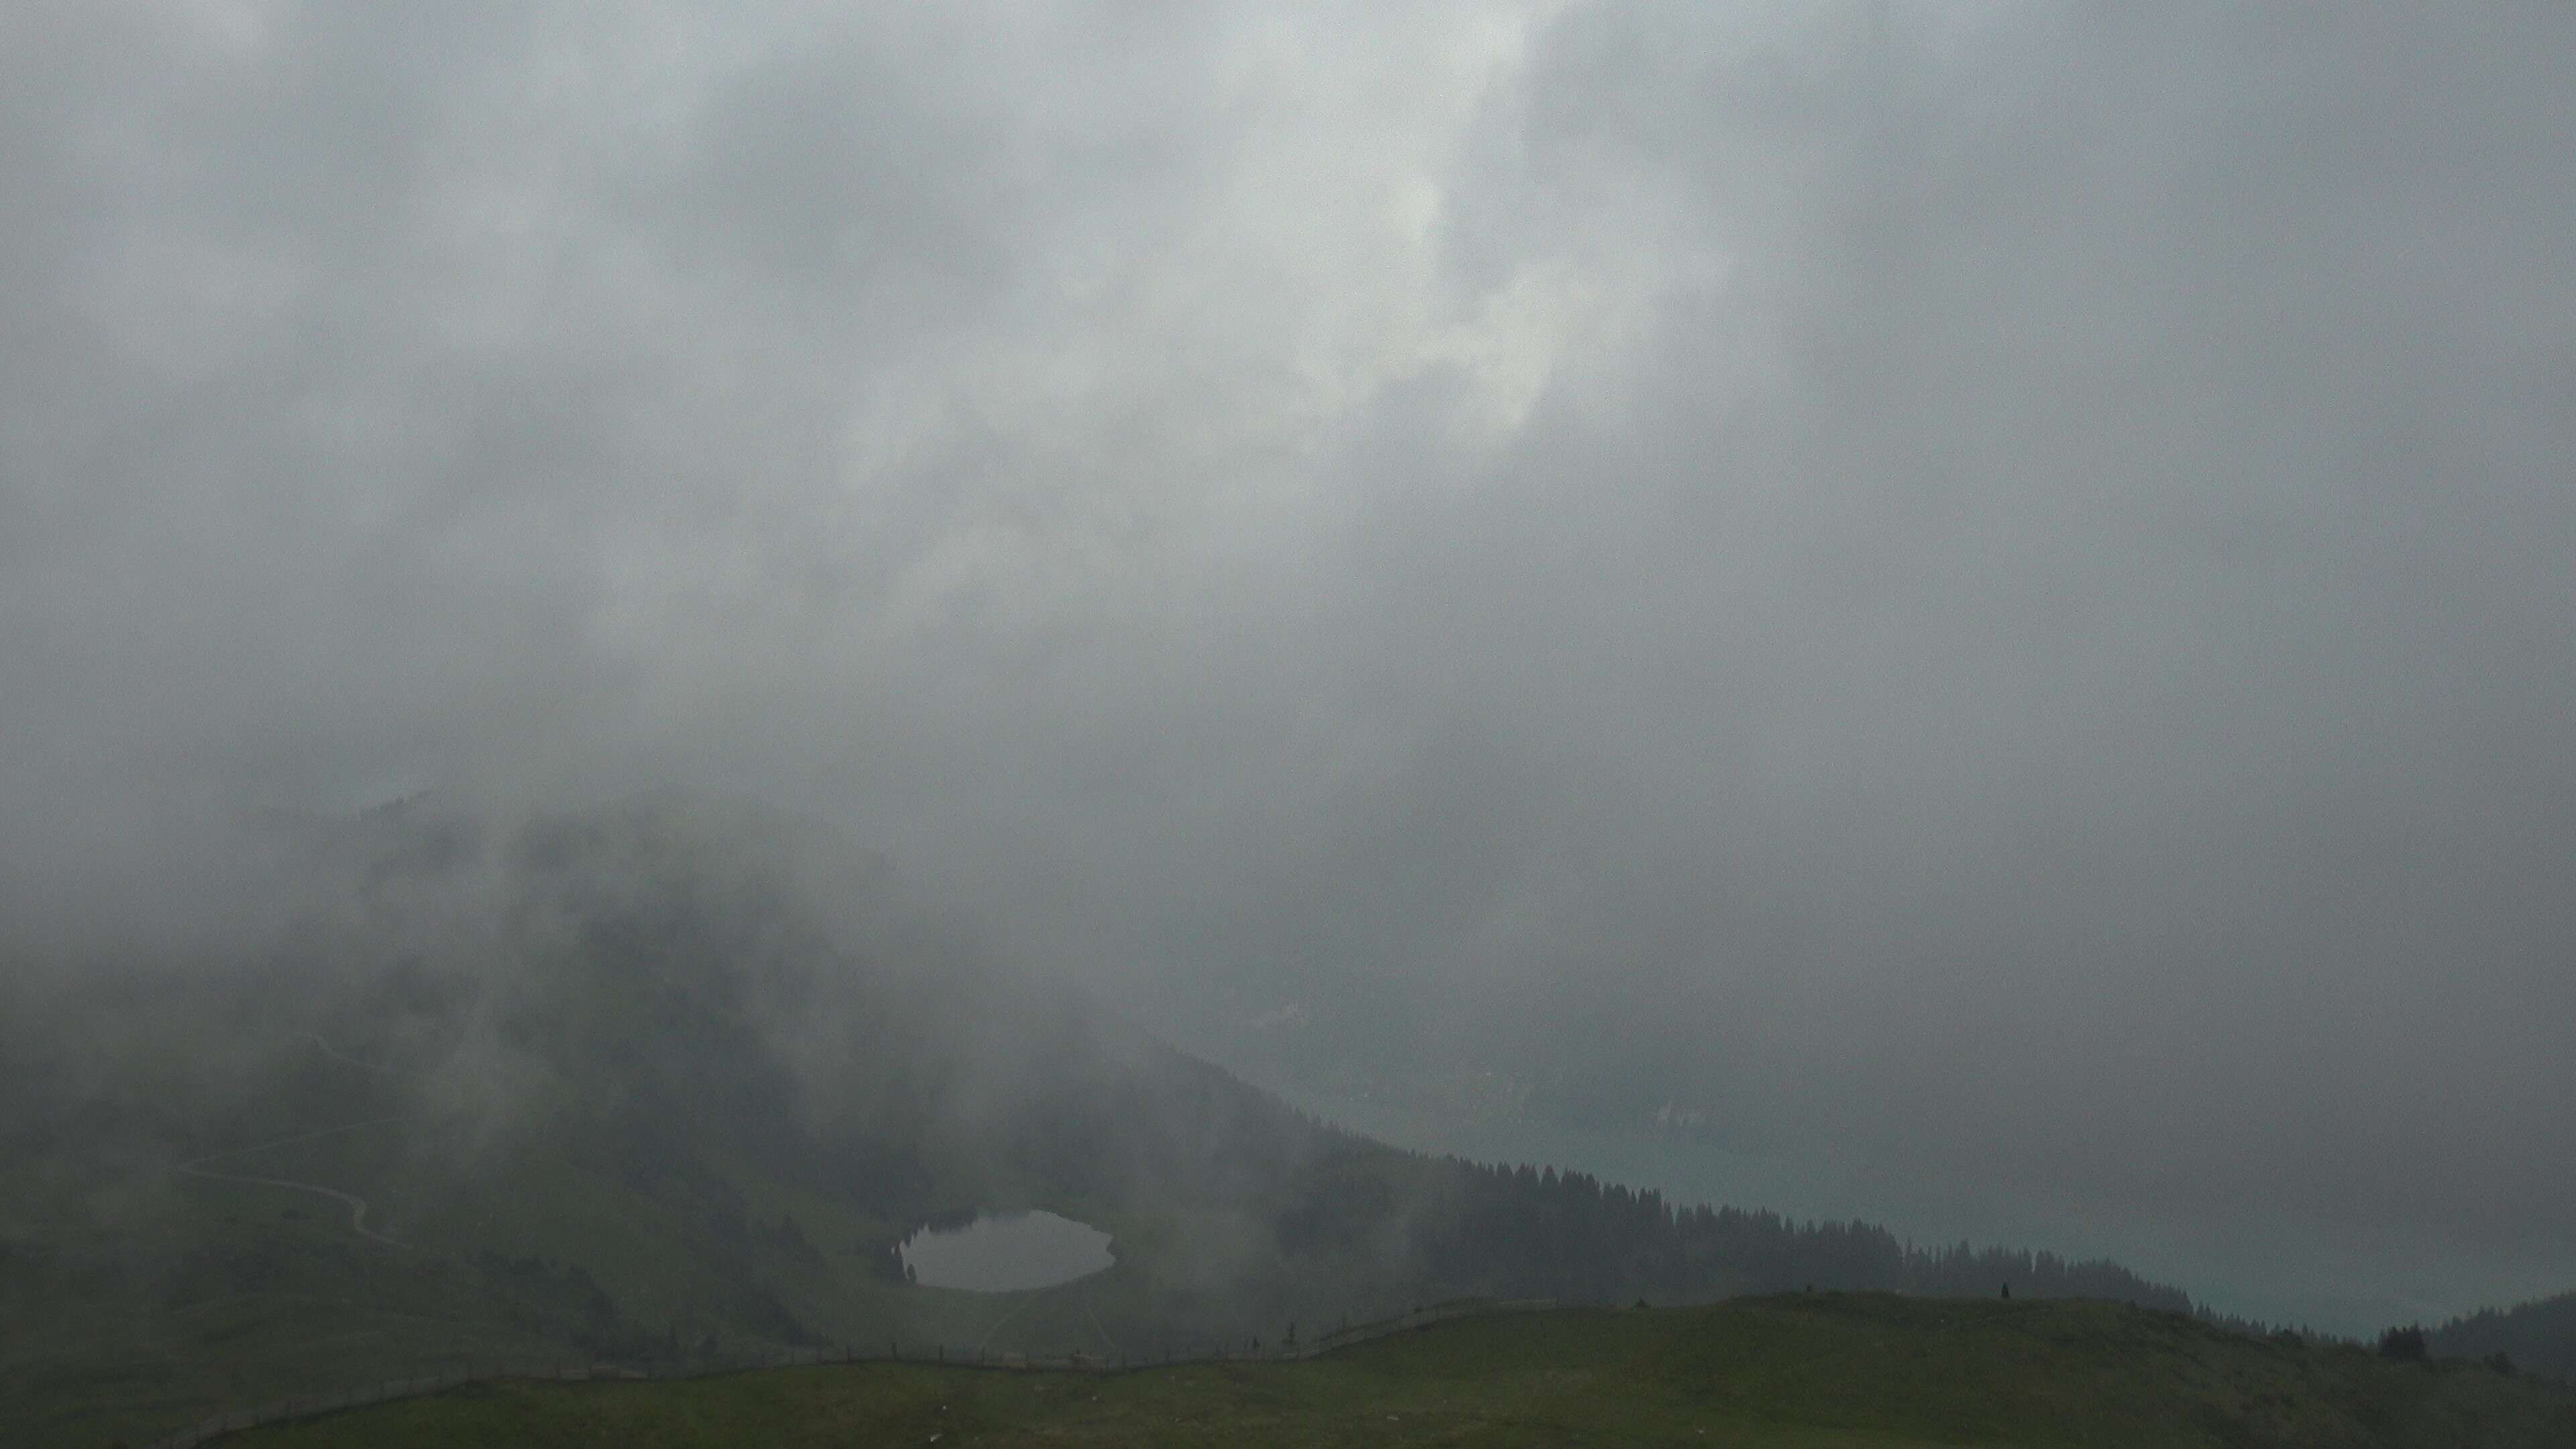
pixel 1807 1370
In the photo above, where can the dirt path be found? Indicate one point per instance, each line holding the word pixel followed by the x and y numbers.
pixel 337 1055
pixel 1089 1312
pixel 1004 1321
pixel 357 1205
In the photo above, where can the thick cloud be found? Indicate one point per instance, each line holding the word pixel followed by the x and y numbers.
pixel 1983 584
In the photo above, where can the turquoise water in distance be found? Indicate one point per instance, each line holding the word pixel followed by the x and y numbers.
pixel 1007 1253
pixel 2339 1279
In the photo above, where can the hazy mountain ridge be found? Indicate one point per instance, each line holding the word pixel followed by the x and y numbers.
pixel 676 1074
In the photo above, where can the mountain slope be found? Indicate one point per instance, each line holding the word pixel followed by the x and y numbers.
pixel 673 1077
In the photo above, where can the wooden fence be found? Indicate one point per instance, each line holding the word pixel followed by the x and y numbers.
pixel 305 1406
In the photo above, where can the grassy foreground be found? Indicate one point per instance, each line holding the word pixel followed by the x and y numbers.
pixel 1839 1370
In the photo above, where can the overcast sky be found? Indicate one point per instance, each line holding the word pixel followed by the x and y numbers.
pixel 1988 584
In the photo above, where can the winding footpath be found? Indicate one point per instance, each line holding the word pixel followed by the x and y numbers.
pixel 357 1206
pixel 1004 1321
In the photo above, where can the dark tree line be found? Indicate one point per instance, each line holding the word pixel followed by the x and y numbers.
pixel 1524 1232
pixel 2537 1337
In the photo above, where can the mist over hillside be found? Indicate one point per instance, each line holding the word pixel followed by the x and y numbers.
pixel 652 1078
pixel 1952 615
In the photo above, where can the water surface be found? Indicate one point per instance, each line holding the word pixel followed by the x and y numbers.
pixel 1007 1253
pixel 2342 1279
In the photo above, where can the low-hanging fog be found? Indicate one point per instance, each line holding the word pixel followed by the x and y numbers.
pixel 1979 591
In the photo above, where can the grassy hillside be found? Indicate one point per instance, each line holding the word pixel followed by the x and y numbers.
pixel 668 1081
pixel 1828 1369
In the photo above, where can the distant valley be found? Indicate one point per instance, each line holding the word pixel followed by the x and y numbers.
pixel 681 1077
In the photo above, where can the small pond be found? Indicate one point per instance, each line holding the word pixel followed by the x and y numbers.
pixel 1007 1252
